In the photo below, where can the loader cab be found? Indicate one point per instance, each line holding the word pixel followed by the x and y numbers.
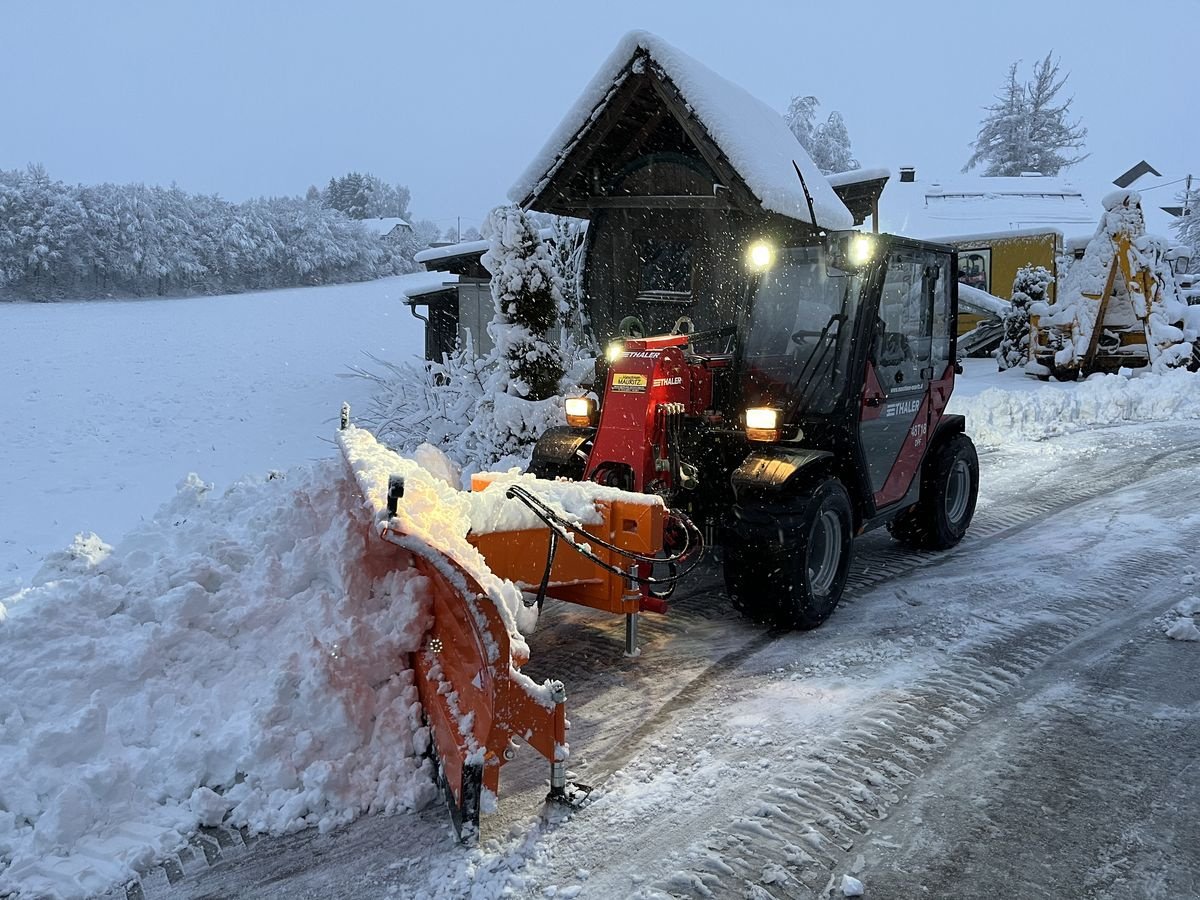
pixel 846 365
pixel 851 341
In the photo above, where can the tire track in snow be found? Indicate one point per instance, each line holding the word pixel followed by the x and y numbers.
pixel 794 836
pixel 695 646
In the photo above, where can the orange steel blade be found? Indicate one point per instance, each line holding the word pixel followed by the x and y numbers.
pixel 475 699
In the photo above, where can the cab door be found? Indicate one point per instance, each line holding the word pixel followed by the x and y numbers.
pixel 902 365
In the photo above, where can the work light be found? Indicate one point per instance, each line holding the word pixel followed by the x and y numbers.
pixel 762 424
pixel 581 411
pixel 760 256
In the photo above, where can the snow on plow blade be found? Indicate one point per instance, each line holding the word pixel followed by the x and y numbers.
pixel 476 700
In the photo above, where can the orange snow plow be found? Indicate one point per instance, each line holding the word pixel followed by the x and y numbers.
pixel 476 700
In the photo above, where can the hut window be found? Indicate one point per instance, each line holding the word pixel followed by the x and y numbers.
pixel 666 270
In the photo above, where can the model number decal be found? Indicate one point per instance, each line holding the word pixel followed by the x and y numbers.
pixel 903 408
pixel 627 383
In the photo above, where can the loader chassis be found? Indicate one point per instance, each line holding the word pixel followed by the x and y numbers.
pixel 857 359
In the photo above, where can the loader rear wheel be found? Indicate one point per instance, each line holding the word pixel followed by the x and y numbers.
pixel 788 569
pixel 949 490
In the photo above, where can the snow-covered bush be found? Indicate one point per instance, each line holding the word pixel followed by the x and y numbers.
pixel 487 412
pixel 1030 286
pixel 529 303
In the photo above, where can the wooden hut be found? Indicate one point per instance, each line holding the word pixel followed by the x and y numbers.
pixel 679 171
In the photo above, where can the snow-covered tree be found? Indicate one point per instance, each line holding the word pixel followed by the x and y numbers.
pixel 1050 128
pixel 59 240
pixel 1030 286
pixel 801 118
pixel 831 146
pixel 528 300
pixel 1187 226
pixel 1024 130
pixel 487 412
pixel 567 251
pixel 828 142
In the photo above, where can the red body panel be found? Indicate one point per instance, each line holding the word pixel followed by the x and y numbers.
pixel 924 424
pixel 651 377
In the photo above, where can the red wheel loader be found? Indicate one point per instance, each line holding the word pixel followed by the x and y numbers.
pixel 816 416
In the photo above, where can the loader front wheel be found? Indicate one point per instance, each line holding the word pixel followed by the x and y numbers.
pixel 788 568
pixel 949 490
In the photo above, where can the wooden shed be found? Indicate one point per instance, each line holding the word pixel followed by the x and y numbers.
pixel 679 171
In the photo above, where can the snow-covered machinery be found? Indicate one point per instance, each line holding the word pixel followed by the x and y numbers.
pixel 1119 306
pixel 826 419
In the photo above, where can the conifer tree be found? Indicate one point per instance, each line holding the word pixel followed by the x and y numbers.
pixel 1025 130
pixel 528 302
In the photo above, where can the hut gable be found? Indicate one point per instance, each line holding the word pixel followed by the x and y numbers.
pixel 657 129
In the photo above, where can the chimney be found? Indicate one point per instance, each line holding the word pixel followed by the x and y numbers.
pixel 908 173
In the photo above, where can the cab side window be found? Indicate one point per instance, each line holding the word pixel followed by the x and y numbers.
pixel 898 341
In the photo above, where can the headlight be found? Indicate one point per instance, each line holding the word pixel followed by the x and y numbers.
pixel 862 250
pixel 614 351
pixel 762 424
pixel 581 411
pixel 760 256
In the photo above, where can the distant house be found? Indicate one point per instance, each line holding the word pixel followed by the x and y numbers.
pixel 455 294
pixel 390 228
pixel 997 224
pixel 1144 178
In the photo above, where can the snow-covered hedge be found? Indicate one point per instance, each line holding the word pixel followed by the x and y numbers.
pixel 80 241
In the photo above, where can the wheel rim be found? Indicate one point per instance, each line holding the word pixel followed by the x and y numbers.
pixel 958 491
pixel 824 552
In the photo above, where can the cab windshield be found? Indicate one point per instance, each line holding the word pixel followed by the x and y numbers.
pixel 801 323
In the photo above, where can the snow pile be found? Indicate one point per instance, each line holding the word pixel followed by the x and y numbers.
pixel 230 660
pixel 997 416
pixel 755 139
pixel 1180 623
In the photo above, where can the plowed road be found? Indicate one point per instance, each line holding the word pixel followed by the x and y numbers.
pixel 1006 720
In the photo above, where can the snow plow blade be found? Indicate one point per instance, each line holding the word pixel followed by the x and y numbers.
pixel 476 700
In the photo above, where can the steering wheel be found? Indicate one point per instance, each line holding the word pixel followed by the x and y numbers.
pixel 797 336
pixel 827 332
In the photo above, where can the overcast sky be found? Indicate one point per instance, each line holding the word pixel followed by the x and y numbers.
pixel 250 98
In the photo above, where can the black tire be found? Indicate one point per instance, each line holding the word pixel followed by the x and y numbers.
pixel 788 568
pixel 1065 374
pixel 949 491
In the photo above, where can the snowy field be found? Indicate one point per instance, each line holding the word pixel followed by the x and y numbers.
pixel 109 405
pixel 223 637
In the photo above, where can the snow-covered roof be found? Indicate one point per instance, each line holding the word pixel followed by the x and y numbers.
pixel 433 254
pixel 857 176
pixel 383 225
pixel 418 284
pixel 752 136
pixel 976 205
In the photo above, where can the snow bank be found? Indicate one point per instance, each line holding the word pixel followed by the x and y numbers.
pixel 228 660
pixel 998 416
